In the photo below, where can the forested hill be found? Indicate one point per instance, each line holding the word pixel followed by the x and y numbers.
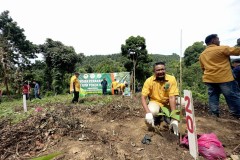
pixel 118 59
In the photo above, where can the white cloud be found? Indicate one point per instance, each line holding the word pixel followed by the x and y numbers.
pixel 100 27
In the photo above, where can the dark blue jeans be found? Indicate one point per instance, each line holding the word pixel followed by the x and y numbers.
pixel 37 95
pixel 230 91
pixel 104 91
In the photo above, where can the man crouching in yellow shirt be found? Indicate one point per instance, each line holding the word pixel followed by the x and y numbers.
pixel 75 87
pixel 161 89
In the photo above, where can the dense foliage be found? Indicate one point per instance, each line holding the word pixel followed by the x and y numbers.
pixel 15 52
pixel 60 61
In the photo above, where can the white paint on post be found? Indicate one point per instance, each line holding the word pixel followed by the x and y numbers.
pixel 24 103
pixel 191 126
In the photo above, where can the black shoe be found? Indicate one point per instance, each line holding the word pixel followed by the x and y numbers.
pixel 214 114
pixel 146 139
pixel 236 116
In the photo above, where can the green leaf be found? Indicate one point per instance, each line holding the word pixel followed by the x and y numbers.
pixel 47 157
pixel 161 114
pixel 174 112
pixel 175 116
pixel 166 111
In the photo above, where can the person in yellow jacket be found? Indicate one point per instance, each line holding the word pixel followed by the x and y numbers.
pixel 218 76
pixel 75 87
pixel 114 86
pixel 121 87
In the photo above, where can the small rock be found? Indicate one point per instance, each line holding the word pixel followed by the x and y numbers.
pixel 82 138
pixel 74 150
pixel 139 149
pixel 133 144
pixel 235 157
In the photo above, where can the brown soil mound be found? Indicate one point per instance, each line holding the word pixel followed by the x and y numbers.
pixel 111 130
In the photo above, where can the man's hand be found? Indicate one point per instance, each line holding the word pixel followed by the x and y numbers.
pixel 174 126
pixel 149 119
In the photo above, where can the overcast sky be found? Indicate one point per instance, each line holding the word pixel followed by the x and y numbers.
pixel 97 27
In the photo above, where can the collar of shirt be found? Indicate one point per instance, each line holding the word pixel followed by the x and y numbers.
pixel 211 45
pixel 165 78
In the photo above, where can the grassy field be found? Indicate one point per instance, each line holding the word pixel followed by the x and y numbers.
pixel 13 111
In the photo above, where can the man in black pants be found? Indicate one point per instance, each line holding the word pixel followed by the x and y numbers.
pixel 75 87
pixel 104 86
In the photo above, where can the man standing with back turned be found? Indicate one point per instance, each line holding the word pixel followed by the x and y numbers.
pixel 218 77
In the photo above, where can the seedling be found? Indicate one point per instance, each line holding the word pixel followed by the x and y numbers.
pixel 47 157
pixel 174 114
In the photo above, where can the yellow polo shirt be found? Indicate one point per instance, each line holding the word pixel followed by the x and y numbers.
pixel 160 91
pixel 74 81
pixel 114 84
pixel 214 61
pixel 121 86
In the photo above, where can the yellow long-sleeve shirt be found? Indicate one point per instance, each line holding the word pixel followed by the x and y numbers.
pixel 74 82
pixel 214 61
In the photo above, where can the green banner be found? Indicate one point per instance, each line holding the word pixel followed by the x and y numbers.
pixel 91 82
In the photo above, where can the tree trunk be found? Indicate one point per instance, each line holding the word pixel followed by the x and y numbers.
pixel 6 84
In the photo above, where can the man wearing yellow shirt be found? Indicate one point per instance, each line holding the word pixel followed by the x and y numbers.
pixel 161 89
pixel 75 87
pixel 218 77
pixel 114 86
pixel 122 87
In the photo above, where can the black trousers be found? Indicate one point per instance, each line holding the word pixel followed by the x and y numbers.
pixel 75 97
pixel 116 91
pixel 104 91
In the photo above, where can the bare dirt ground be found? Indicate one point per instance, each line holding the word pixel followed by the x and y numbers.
pixel 109 131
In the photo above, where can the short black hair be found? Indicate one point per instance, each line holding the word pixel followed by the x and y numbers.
pixel 238 41
pixel 210 37
pixel 158 63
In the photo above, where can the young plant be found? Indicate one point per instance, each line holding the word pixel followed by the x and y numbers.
pixel 47 157
pixel 174 114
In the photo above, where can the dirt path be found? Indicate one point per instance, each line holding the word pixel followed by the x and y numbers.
pixel 105 131
pixel 121 139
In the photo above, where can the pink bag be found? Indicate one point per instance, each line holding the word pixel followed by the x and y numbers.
pixel 208 146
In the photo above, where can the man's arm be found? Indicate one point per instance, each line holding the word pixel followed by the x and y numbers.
pixel 144 104
pixel 72 85
pixel 201 64
pixel 172 102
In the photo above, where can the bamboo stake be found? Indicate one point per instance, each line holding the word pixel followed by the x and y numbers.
pixel 180 88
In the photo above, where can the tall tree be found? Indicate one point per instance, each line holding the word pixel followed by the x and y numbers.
pixel 19 50
pixel 16 50
pixel 192 53
pixel 109 66
pixel 135 50
pixel 60 59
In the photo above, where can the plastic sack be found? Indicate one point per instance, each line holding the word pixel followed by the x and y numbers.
pixel 208 146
